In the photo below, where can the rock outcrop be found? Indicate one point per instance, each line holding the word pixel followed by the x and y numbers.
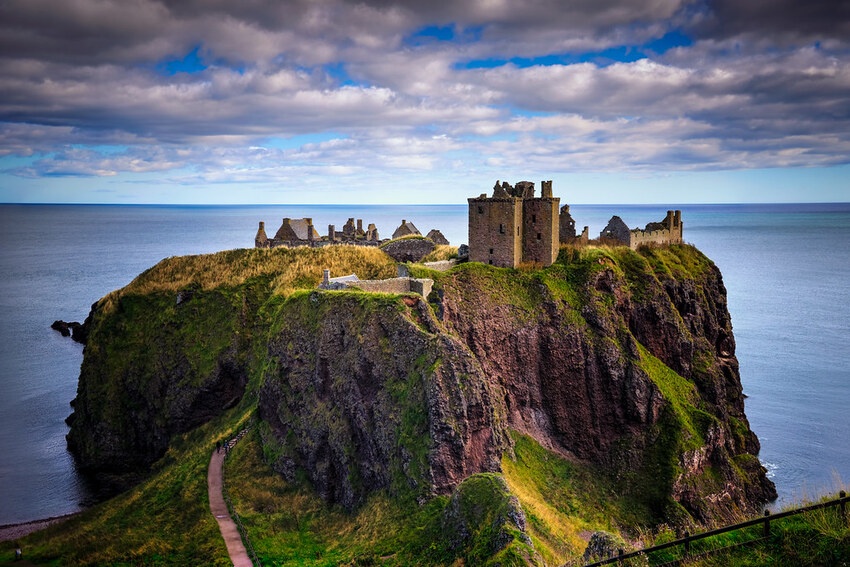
pixel 619 359
pixel 74 329
pixel 409 249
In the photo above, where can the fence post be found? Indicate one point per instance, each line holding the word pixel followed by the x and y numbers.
pixel 620 553
pixel 687 543
pixel 841 506
pixel 767 523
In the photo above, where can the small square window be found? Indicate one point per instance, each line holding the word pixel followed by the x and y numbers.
pixel 480 210
pixel 539 236
pixel 491 250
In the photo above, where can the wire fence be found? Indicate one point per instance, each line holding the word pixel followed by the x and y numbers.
pixel 690 551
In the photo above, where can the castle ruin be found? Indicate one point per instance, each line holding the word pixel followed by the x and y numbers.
pixel 513 227
pixel 302 232
pixel 666 231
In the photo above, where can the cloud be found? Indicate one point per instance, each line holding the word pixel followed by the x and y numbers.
pixel 754 85
pixel 776 22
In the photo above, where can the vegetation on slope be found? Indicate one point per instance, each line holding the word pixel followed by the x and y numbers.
pixel 290 525
pixel 245 294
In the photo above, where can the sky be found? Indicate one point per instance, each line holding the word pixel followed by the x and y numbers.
pixel 337 101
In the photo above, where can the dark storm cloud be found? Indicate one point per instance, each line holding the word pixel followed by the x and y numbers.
pixel 781 22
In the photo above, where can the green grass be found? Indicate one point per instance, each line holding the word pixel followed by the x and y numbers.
pixel 563 500
pixel 289 525
pixel 165 520
pixel 440 253
pixel 287 269
pixel 682 395
pixel 815 538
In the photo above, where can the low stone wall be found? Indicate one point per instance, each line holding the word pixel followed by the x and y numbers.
pixel 441 266
pixel 395 285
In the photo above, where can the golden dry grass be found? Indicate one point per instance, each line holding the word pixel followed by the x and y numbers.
pixel 288 269
pixel 440 253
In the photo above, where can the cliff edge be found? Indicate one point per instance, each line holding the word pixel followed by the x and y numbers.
pixel 621 361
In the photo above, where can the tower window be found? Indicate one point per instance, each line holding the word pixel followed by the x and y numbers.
pixel 480 210
pixel 501 229
pixel 533 218
pixel 539 236
pixel 491 250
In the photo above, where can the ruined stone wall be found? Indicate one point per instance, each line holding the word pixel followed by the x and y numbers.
pixel 583 238
pixel 566 226
pixel 671 233
pixel 421 286
pixel 395 285
pixel 301 232
pixel 495 227
pixel 540 234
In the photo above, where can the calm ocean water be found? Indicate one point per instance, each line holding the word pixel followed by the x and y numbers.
pixel 786 268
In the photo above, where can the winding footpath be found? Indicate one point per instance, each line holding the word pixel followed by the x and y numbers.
pixel 235 548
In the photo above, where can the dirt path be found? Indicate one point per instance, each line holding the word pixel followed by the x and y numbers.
pixel 231 536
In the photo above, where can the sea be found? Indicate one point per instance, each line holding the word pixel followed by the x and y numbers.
pixel 786 268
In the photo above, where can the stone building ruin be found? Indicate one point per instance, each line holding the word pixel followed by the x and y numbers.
pixel 406 228
pixel 666 231
pixel 567 229
pixel 513 227
pixel 302 232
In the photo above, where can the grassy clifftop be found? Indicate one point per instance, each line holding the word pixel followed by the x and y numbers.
pixel 499 421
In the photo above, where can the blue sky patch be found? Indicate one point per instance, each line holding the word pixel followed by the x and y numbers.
pixel 339 73
pixel 603 58
pixel 190 63
pixel 431 33
pixel 448 33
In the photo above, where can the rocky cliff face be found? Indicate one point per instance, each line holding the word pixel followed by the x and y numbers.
pixel 368 393
pixel 154 366
pixel 621 360
pixel 574 369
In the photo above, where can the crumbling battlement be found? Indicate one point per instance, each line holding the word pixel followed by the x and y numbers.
pixel 668 231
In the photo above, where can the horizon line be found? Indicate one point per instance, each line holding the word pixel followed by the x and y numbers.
pixel 703 203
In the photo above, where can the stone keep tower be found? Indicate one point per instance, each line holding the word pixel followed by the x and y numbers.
pixel 540 240
pixel 513 226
